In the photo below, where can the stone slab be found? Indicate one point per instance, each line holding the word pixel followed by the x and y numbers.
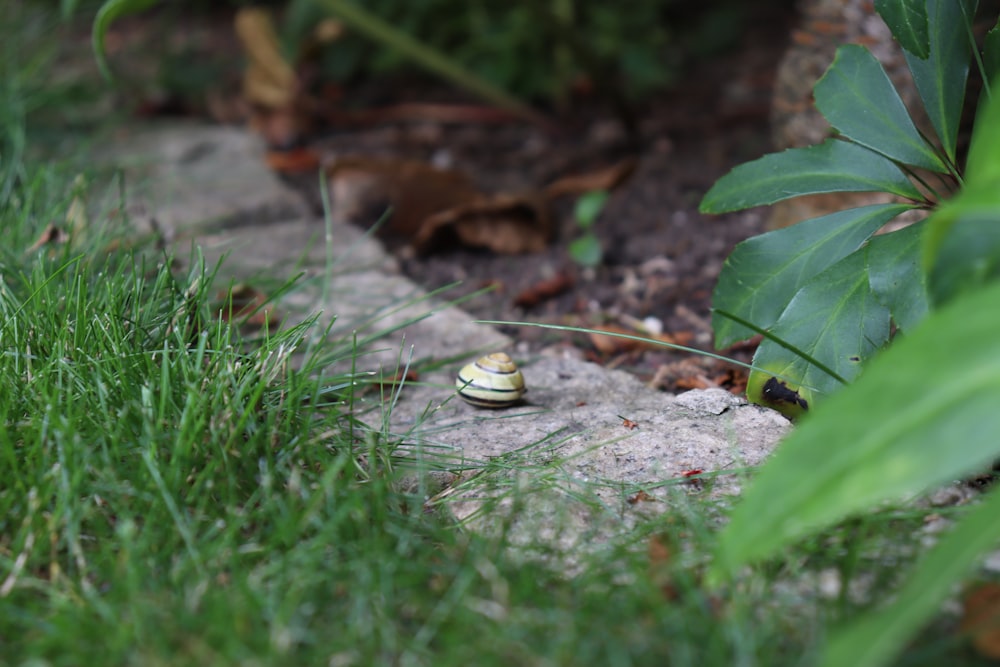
pixel 566 448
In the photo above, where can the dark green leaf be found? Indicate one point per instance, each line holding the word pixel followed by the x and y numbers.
pixel 983 164
pixel 897 277
pixel 834 318
pixel 763 273
pixel 991 54
pixel 959 258
pixel 106 15
pixel 907 19
pixel 923 413
pixel 875 638
pixel 969 255
pixel 589 206
pixel 940 78
pixel 858 99
pixel 833 166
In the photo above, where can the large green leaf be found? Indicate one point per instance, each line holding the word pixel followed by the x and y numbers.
pixel 763 273
pixel 969 252
pixel 833 166
pixel 940 78
pixel 106 15
pixel 907 19
pixel 876 637
pixel 897 276
pixel 835 319
pixel 982 167
pixel 962 244
pixel 991 54
pixel 924 412
pixel 858 99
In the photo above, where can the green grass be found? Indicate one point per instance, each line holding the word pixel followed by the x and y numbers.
pixel 172 493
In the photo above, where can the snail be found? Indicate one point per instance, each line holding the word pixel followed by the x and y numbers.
pixel 493 381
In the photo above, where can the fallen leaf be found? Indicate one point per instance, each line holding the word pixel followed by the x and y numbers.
pixel 640 497
pixel 400 376
pixel 293 161
pixel 615 344
pixel 51 235
pixel 248 306
pixel 269 80
pixel 602 179
pixel 609 345
pixel 981 619
pixel 503 223
pixel 363 188
pixel 432 207
pixel 697 381
pixel 628 423
pixel 545 290
pixel 698 372
pixel 279 108
pixel 660 556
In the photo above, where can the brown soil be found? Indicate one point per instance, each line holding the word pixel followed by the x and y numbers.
pixel 662 257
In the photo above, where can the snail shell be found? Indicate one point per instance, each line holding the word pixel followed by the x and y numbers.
pixel 493 381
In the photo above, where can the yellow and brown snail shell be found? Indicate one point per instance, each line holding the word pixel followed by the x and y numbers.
pixel 493 381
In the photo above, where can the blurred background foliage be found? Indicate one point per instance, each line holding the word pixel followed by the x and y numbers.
pixel 541 52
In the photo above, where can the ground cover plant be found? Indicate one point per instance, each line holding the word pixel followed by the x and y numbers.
pixel 171 493
pixel 829 297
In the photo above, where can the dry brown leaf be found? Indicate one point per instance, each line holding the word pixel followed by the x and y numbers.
pixel 363 187
pixel 603 179
pixel 392 382
pixel 279 108
pixel 628 423
pixel 51 235
pixel 660 556
pixel 981 619
pixel 608 345
pixel 640 497
pixel 294 161
pixel 245 301
pixel 503 223
pixel 433 206
pixel 269 80
pixel 545 290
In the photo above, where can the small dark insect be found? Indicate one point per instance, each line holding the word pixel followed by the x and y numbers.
pixel 777 391
pixel 691 473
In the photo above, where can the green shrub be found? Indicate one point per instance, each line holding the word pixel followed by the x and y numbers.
pixel 830 296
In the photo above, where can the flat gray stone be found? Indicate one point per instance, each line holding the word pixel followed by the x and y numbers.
pixel 564 459
pixel 190 176
pixel 567 451
pixel 210 186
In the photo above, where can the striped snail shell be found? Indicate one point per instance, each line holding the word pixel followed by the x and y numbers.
pixel 493 381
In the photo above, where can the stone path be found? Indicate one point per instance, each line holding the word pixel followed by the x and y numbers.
pixel 210 186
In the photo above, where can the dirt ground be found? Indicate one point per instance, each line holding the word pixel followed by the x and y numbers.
pixel 662 257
